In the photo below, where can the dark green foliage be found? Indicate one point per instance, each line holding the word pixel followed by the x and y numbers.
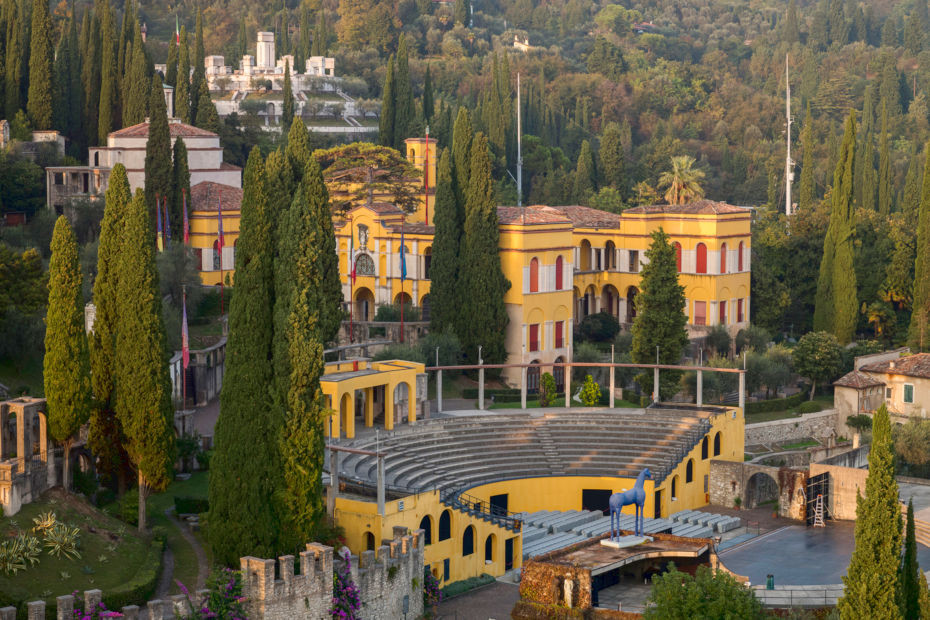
pixel 585 175
pixel 598 327
pixel 14 70
pixel 660 321
pixel 298 151
pixel 66 366
pixel 909 576
pixel 445 267
pixel 817 357
pixel 158 147
pixel 196 60
pixel 462 12
pixel 706 594
pixel 143 387
pixel 611 157
pixel 404 116
pixel 790 32
pixel 462 135
pixel 171 66
pixel 245 468
pixel 287 113
pixel 136 86
pixel 483 284
pixel 899 278
pixel 320 37
pixel 108 78
pixel 90 76
pixel 182 92
pixel 207 117
pixel 836 307
pixel 39 104
pixel 68 93
pixel 872 577
pixel 885 192
pixel 386 122
pixel 428 105
pixel 180 186
pixel 806 192
pixel 606 59
pixel 918 336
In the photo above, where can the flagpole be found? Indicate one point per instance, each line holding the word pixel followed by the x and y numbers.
pixel 351 285
pixel 403 267
pixel 184 346
pixel 219 236
pixel 426 177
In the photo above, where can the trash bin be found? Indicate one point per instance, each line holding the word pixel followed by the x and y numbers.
pixel 770 582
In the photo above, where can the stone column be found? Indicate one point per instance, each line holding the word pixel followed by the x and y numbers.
pixel 65 607
pixel 480 387
pixel 381 485
pixel 388 408
pixel 439 391
pixel 412 404
pixel 700 388
pixel 655 384
pixel 742 392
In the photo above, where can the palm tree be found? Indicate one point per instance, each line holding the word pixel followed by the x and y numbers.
pixel 682 181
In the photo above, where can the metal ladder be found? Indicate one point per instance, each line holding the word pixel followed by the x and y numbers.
pixel 818 512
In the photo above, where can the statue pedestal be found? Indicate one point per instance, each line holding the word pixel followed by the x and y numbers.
pixel 626 541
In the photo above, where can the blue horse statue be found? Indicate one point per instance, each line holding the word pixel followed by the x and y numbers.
pixel 635 496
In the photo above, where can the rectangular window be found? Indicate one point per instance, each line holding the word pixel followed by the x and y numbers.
pixel 634 261
pixel 700 313
pixel 722 306
pixel 534 337
pixel 559 329
pixel 888 393
pixel 908 393
pixel 445 569
pixel 739 310
pixel 706 483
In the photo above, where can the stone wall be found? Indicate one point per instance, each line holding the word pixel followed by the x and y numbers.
pixel 385 579
pixel 729 480
pixel 845 482
pixel 819 425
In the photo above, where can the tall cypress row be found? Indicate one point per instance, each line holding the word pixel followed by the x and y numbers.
pixel 137 88
pixel 158 147
pixel 182 96
pixel 428 105
pixel 445 267
pixel 75 127
pixel 872 577
pixel 108 77
pixel 918 336
pixel 245 477
pixel 143 386
pixel 483 282
pixel 404 119
pixel 585 181
pixel 386 122
pixel 62 101
pixel 885 191
pixel 287 112
pixel 171 66
pixel 39 103
pixel 462 134
pixel 106 437
pixel 66 366
pixel 180 186
pixel 14 68
pixel 611 157
pixel 90 75
pixel 196 60
pixel 909 574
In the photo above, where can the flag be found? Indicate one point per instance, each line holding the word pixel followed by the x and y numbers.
pixel 403 258
pixel 158 229
pixel 219 231
pixel 351 253
pixel 164 201
pixel 177 32
pixel 186 224
pixel 185 348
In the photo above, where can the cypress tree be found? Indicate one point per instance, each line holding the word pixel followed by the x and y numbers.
pixel 428 105
pixel 445 267
pixel 182 97
pixel 872 577
pixel 143 386
pixel 125 36
pixel 180 186
pixel 585 178
pixel 158 147
pixel 106 437
pixel 909 574
pixel 287 113
pixel 39 102
pixel 386 122
pixel 303 43
pixel 611 158
pixel 171 66
pixel 196 61
pixel 483 282
pixel 899 276
pixel 90 76
pixel 404 118
pixel 66 366
pixel 207 117
pixel 279 187
pixel 806 192
pixel 75 99
pixel 108 78
pixel 884 167
pixel 243 43
pixel 462 134
pixel 63 100
pixel 136 92
pixel 14 69
pixel 298 152
pixel 303 444
pixel 660 321
pixel 835 307
pixel 320 36
pixel 867 182
pixel 918 336
pixel 245 477
pixel 792 33
pixel 461 12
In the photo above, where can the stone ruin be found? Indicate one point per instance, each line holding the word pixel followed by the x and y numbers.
pixel 29 461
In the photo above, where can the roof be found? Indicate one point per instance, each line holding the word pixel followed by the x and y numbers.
pixel 701 207
pixel 917 365
pixel 529 215
pixel 418 228
pixel 586 217
pixel 857 380
pixel 207 194
pixel 175 128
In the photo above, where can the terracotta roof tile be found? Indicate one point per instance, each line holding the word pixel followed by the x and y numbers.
pixel 539 214
pixel 182 130
pixel 701 207
pixel 206 195
pixel 858 380
pixel 586 217
pixel 413 229
pixel 917 365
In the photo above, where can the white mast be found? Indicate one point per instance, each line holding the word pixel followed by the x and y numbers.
pixel 789 165
pixel 519 152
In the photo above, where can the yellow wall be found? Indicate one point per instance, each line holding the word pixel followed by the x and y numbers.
pixel 203 234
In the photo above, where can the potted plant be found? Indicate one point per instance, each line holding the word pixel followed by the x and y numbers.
pixel 775 511
pixel 737 502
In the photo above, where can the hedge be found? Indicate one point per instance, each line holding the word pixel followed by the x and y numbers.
pixel 776 404
pixel 460 587
pixel 472 393
pixel 141 588
pixel 185 505
pixel 810 406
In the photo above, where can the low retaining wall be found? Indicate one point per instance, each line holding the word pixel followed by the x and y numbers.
pixel 819 425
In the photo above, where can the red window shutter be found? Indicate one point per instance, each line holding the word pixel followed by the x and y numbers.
pixel 534 276
pixel 701 258
pixel 559 328
pixel 558 273
pixel 534 337
pixel 723 258
pixel 700 313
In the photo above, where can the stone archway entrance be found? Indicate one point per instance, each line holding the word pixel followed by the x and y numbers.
pixel 761 488
pixel 364 304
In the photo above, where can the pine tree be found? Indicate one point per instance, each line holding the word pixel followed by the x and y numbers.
pixel 872 577
pixel 106 437
pixel 884 167
pixel 660 320
pixel 386 122
pixel 918 336
pixel 303 444
pixel 806 191
pixel 207 117
pixel 157 148
pixel 197 60
pixel 136 92
pixel 404 116
pixel 287 113
pixel 483 282
pixel 836 309
pixel 108 78
pixel 585 177
pixel 143 386
pixel 611 158
pixel 245 468
pixel 182 96
pixel 445 268
pixel 66 366
pixel 428 106
pixel 909 573
pixel 39 106
pixel 180 186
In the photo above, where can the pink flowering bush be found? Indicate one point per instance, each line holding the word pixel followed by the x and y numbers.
pixel 100 611
pixel 432 595
pixel 346 600
pixel 223 599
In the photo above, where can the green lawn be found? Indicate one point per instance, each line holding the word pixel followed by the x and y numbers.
pixel 807 443
pixel 111 551
pixel 185 561
pixel 825 400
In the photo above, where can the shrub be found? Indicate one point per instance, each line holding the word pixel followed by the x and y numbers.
pixel 91 614
pixel 141 587
pixel 222 597
pixel 390 313
pixel 84 482
pixel 203 459
pixel 590 392
pixel 432 595
pixel 598 327
pixel 191 505
pixel 718 339
pixel 547 389
pixel 346 600
pixel 61 539
pixel 460 587
pixel 129 507
pixel 810 406
pixel 400 352
pixel 860 422
pixel 776 404
pixel 754 337
pixel 450 349
pixel 188 448
pixel 16 553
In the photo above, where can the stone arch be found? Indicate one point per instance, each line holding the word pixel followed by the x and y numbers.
pixel 445 525
pixel 426 524
pixel 673 491
pixel 369 541
pixel 760 488
pixel 610 256
pixel 364 304
pixel 610 300
pixel 689 471
pixel 403 298
pixel 427 262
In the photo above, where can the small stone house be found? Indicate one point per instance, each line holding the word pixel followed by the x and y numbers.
pixel 900 381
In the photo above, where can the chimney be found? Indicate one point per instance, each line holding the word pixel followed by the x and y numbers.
pixel 891 365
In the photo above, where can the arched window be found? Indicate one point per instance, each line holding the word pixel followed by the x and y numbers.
pixel 701 252
pixel 364 265
pixel 723 258
pixel 558 273
pixel 534 275
pixel 674 487
pixel 468 541
pixel 689 471
pixel 426 524
pixel 369 541
pixel 489 549
pixel 704 450
pixel 717 444
pixel 677 255
pixel 739 260
pixel 445 525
